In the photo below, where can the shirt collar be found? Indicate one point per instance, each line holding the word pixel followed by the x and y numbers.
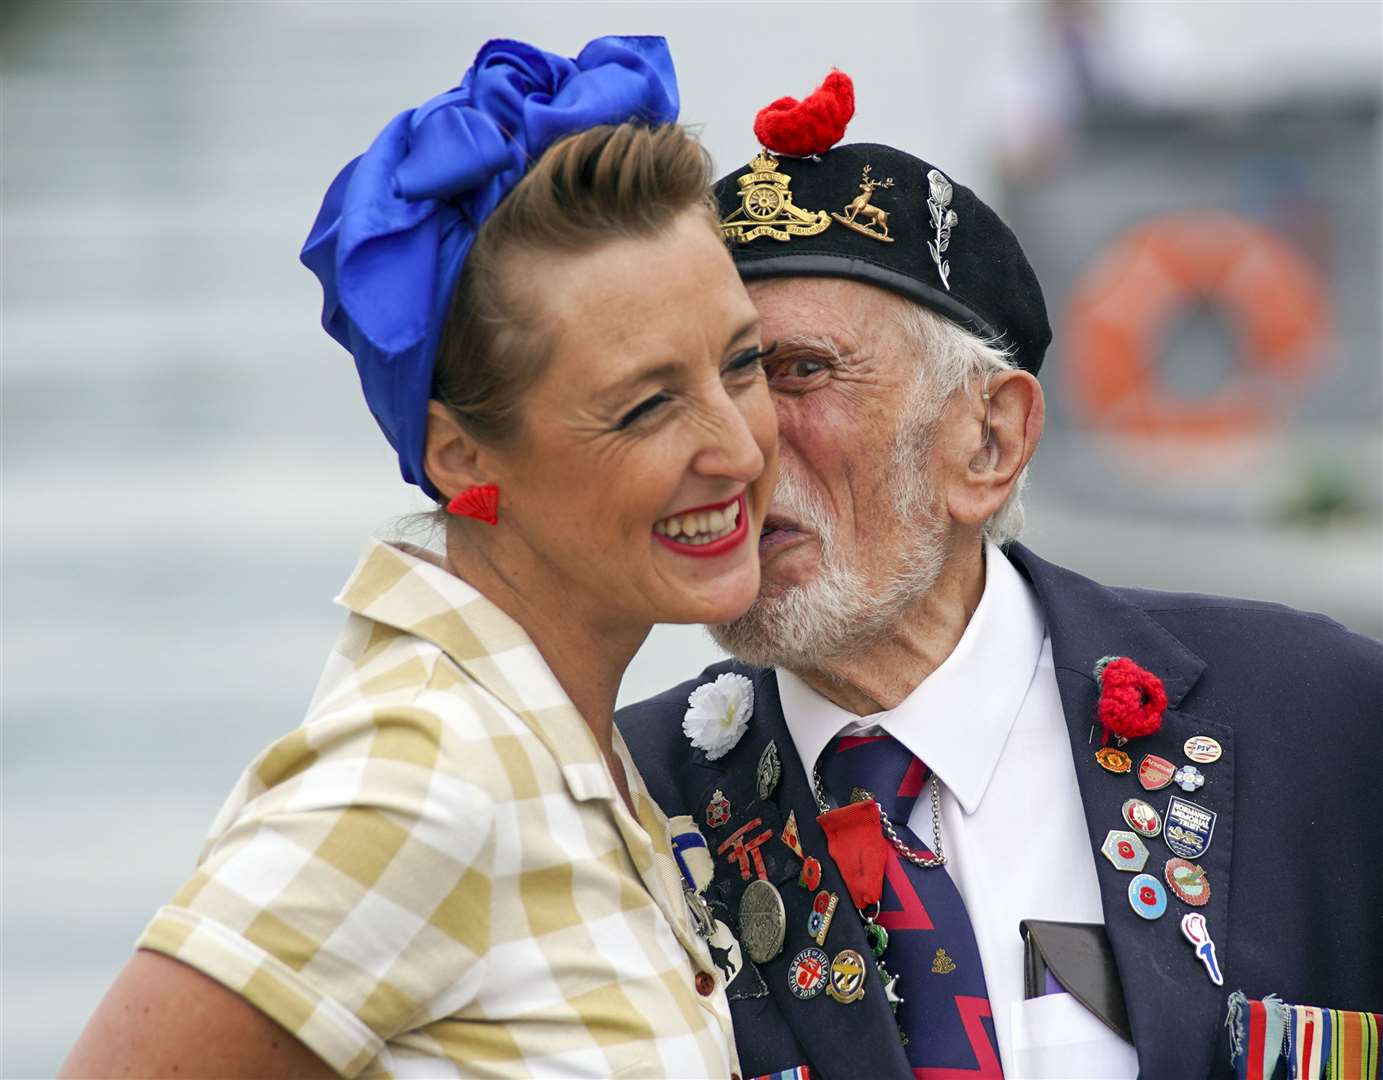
pixel 405 587
pixel 959 717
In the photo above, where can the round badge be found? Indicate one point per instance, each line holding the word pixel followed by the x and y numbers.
pixel 762 921
pixel 1202 748
pixel 810 877
pixel 1187 882
pixel 808 973
pixel 1112 760
pixel 1147 896
pixel 847 977
pixel 815 921
pixel 1155 773
pixel 821 901
pixel 1142 818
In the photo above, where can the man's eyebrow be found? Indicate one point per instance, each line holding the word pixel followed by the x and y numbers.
pixel 820 344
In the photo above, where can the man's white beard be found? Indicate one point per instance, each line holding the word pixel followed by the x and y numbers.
pixel 838 611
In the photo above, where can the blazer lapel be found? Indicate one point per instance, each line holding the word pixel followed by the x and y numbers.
pixel 873 1047
pixel 1174 1009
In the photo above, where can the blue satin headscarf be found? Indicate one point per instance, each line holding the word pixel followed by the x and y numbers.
pixel 398 221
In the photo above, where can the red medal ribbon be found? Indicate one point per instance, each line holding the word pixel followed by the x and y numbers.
pixel 855 839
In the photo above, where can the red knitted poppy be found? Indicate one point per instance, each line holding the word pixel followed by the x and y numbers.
pixel 1132 699
pixel 812 125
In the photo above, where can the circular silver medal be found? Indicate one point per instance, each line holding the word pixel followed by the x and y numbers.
pixel 763 922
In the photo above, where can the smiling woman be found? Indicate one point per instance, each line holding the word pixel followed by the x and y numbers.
pixel 452 866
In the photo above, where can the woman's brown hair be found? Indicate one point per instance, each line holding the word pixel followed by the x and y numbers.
pixel 606 183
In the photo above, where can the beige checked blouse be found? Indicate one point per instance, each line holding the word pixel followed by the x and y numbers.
pixel 435 876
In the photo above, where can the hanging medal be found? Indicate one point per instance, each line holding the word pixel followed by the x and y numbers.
pixel 856 842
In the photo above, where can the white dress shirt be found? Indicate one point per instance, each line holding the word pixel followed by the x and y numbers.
pixel 989 723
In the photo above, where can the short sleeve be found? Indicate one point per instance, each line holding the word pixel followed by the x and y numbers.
pixel 345 890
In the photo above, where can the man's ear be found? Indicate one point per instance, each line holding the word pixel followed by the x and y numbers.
pixel 451 455
pixel 998 437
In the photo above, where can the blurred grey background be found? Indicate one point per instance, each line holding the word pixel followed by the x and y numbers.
pixel 189 469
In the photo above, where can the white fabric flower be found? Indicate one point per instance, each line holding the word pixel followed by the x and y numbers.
pixel 719 714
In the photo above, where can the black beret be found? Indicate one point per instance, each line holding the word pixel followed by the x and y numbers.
pixel 812 217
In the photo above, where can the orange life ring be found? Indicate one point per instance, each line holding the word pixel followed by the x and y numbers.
pixel 1273 297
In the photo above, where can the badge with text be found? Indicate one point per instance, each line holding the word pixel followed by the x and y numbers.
pixel 1155 773
pixel 808 973
pixel 823 912
pixel 1113 760
pixel 1202 749
pixel 1187 828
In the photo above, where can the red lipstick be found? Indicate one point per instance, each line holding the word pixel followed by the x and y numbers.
pixel 716 547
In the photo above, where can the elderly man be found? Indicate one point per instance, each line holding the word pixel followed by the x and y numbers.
pixel 1176 795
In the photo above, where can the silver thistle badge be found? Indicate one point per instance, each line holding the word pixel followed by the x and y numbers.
pixel 943 218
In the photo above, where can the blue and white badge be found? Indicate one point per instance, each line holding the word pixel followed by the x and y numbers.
pixel 1188 828
pixel 1147 896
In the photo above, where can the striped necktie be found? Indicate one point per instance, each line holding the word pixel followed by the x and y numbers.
pixel 945 1014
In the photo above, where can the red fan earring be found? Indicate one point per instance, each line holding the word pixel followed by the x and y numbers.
pixel 480 501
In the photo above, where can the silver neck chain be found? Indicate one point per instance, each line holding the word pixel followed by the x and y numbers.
pixel 925 859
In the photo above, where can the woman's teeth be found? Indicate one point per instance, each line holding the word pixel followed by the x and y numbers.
pixel 702 527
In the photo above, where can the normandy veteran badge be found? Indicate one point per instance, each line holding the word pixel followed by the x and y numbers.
pixel 1188 828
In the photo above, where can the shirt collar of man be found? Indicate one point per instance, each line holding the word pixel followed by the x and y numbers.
pixel 958 719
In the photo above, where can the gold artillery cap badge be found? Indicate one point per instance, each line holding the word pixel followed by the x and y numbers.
pixel 766 207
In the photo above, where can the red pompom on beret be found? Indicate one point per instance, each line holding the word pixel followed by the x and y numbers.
pixel 812 125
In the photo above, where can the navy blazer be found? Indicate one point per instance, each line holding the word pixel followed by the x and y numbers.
pixel 1296 908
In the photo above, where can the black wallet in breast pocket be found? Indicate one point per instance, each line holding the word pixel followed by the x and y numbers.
pixel 1075 958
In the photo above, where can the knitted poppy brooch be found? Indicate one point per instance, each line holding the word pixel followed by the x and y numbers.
pixel 1132 699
